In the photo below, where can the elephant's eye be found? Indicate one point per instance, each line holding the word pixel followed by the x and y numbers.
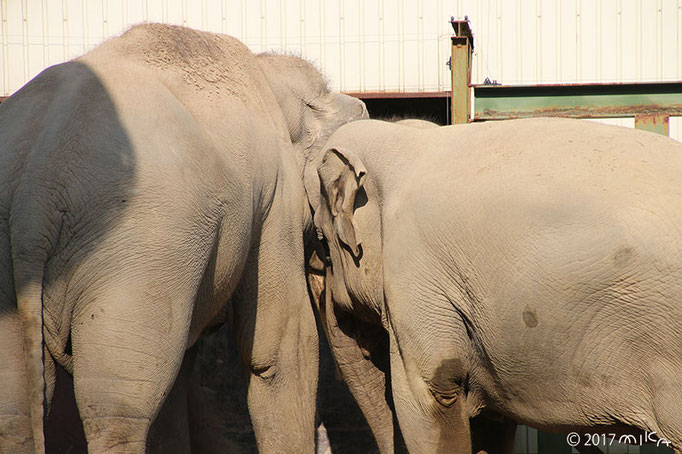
pixel 446 400
pixel 313 105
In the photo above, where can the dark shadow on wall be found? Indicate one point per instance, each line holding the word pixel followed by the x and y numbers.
pixel 434 109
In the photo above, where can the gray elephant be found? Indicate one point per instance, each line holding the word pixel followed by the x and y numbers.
pixel 151 191
pixel 528 271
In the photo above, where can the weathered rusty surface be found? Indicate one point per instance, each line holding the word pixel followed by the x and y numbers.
pixel 578 101
pixel 660 124
pixel 461 70
pixel 462 28
pixel 399 94
pixel 581 112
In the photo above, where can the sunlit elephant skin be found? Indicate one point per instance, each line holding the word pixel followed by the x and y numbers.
pixel 151 190
pixel 529 268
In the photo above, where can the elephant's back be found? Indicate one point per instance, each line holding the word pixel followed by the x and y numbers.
pixel 564 236
pixel 552 166
pixel 565 149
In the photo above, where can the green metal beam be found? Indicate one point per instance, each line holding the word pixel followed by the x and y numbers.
pixel 497 102
pixel 650 103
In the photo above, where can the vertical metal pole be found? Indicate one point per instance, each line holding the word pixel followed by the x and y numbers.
pixel 461 66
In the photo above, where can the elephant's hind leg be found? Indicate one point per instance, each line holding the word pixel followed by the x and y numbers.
pixel 128 344
pixel 15 421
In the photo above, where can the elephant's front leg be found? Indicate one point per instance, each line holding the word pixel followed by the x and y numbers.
pixel 431 422
pixel 275 329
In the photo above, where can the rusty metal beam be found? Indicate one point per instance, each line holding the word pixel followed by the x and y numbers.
pixel 660 124
pixel 398 94
pixel 498 102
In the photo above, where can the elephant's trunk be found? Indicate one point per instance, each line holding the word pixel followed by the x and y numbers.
pixel 365 380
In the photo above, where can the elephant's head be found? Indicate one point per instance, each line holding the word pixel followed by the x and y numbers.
pixel 351 225
pixel 312 113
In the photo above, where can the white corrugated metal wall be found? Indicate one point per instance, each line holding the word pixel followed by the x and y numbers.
pixel 371 45
pixel 380 45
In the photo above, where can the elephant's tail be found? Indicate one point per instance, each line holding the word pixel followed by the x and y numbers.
pixel 28 281
pixel 31 233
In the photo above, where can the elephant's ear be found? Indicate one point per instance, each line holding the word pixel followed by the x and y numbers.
pixel 341 175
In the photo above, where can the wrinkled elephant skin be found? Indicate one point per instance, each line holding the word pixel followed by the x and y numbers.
pixel 529 269
pixel 151 190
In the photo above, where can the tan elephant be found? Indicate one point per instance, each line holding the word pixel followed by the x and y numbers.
pixel 149 191
pixel 530 269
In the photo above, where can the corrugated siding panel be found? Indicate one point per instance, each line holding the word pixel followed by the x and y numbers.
pixel 378 45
